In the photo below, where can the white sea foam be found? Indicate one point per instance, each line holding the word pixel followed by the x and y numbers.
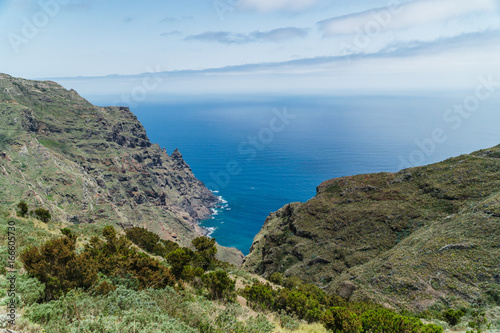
pixel 219 207
pixel 223 204
pixel 221 199
pixel 210 231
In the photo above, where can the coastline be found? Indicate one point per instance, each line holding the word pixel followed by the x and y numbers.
pixel 216 209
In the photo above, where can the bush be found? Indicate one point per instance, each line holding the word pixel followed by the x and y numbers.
pixel 109 233
pixel 453 317
pixel 43 214
pixel 300 304
pixel 292 282
pixel 61 269
pixel 308 302
pixel 341 320
pixel 150 242
pixel 260 296
pixel 23 209
pixel 190 273
pixel 178 259
pixel 276 278
pixel 386 321
pixel 58 266
pixel 205 250
pixel 116 259
pixel 305 301
pixel 219 285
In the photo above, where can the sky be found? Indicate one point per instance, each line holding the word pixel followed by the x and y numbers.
pixel 242 46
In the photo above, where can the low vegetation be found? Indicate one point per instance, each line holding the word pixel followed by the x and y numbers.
pixel 310 303
pixel 106 284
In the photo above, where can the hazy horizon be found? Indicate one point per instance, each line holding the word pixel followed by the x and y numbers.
pixel 253 46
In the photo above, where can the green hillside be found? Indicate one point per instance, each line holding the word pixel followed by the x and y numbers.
pixel 94 165
pixel 423 238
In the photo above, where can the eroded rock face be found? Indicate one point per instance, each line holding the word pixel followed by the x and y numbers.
pixel 90 164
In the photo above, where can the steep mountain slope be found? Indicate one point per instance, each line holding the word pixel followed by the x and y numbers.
pixel 90 164
pixel 411 239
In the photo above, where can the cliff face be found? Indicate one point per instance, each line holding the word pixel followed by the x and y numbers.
pixel 90 164
pixel 410 239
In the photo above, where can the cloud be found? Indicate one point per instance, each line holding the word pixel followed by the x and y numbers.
pixel 266 6
pixel 412 14
pixel 449 64
pixel 224 37
pixel 171 19
pixel 170 33
pixel 459 46
pixel 281 34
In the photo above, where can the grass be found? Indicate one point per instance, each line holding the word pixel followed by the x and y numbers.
pixel 51 144
pixel 304 328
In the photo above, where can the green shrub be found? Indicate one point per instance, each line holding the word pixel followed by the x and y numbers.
pixel 308 302
pixel 109 233
pixel 23 209
pixel 276 278
pixel 300 304
pixel 58 266
pixel 190 273
pixel 453 317
pixel 260 296
pixel 341 320
pixel 305 301
pixel 150 242
pixel 205 250
pixel 178 259
pixel 115 258
pixel 386 321
pixel 219 285
pixel 292 282
pixel 42 214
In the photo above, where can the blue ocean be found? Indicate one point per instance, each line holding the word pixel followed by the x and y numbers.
pixel 259 153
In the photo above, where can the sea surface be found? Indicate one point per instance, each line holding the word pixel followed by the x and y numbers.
pixel 259 153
